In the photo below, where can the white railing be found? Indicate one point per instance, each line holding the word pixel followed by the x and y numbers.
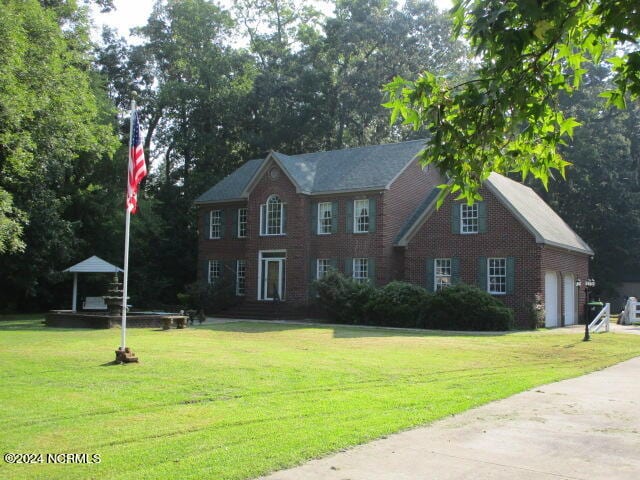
pixel 631 312
pixel 602 320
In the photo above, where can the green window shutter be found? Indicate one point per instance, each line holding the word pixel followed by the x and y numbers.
pixel 348 267
pixel 234 222
pixel 205 271
pixel 313 273
pixel 314 218
pixel 455 271
pixel 455 218
pixel 511 274
pixel 284 218
pixel 372 215
pixel 206 225
pixel 482 217
pixel 334 217
pixel 263 219
pixel 349 218
pixel 222 223
pixel 333 263
pixel 372 271
pixel 430 281
pixel 482 273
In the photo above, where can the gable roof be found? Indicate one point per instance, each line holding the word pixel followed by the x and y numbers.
pixel 93 265
pixel 231 187
pixel 535 214
pixel 526 205
pixel 350 169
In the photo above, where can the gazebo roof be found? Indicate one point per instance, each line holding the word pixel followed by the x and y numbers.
pixel 94 265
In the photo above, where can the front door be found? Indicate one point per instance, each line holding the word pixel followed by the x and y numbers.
pixel 272 276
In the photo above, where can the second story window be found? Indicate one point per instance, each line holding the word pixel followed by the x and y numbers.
pixel 215 224
pixel 324 218
pixel 242 223
pixel 469 218
pixel 272 217
pixel 361 216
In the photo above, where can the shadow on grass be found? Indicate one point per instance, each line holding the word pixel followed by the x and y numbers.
pixel 339 331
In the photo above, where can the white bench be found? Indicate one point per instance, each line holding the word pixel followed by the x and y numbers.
pixel 94 303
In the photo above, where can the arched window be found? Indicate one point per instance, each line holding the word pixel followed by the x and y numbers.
pixel 272 216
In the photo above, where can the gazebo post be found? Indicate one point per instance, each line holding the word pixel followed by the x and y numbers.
pixel 75 292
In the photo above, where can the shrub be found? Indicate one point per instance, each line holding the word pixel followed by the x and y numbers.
pixel 343 298
pixel 209 297
pixel 397 304
pixel 465 307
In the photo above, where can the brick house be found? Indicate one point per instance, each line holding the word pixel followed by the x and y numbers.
pixel 275 224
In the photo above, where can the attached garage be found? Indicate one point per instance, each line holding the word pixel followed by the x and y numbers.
pixel 551 299
pixel 569 308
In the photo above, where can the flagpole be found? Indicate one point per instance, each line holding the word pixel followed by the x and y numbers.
pixel 125 281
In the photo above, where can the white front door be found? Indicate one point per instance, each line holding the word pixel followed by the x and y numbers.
pixel 569 300
pixel 550 299
pixel 272 276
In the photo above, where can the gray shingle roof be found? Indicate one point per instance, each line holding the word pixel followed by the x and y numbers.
pixel 351 168
pixel 93 265
pixel 358 168
pixel 535 214
pixel 232 186
pixel 527 206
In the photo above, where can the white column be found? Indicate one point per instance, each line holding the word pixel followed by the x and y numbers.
pixel 74 300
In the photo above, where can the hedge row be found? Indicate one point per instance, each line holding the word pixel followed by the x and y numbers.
pixel 400 304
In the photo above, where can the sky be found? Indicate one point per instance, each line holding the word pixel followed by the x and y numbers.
pixel 133 13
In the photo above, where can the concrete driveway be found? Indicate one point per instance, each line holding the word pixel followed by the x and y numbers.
pixel 584 428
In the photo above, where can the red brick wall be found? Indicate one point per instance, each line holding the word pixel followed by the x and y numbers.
pixel 505 237
pixel 228 248
pixel 400 201
pixel 343 245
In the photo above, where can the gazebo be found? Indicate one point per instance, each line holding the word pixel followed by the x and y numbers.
pixel 90 265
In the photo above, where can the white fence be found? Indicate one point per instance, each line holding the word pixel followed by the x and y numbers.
pixel 601 322
pixel 631 312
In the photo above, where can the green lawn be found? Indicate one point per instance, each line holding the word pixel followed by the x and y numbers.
pixel 237 400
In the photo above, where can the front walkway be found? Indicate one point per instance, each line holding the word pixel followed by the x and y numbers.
pixel 583 428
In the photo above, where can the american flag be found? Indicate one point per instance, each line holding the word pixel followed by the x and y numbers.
pixel 137 167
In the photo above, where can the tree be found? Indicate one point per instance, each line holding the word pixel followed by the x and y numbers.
pixel 507 118
pixel 55 130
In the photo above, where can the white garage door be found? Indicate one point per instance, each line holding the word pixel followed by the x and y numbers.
pixel 569 300
pixel 551 299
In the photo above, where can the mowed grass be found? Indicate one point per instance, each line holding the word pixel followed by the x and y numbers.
pixel 237 400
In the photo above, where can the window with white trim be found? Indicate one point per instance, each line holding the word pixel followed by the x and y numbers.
pixel 497 275
pixel 241 270
pixel 361 269
pixel 361 216
pixel 272 216
pixel 442 272
pixel 215 223
pixel 242 223
pixel 324 218
pixel 469 218
pixel 322 267
pixel 215 270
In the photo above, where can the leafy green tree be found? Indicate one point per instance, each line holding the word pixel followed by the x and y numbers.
pixel 55 128
pixel 507 118
pixel 600 198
